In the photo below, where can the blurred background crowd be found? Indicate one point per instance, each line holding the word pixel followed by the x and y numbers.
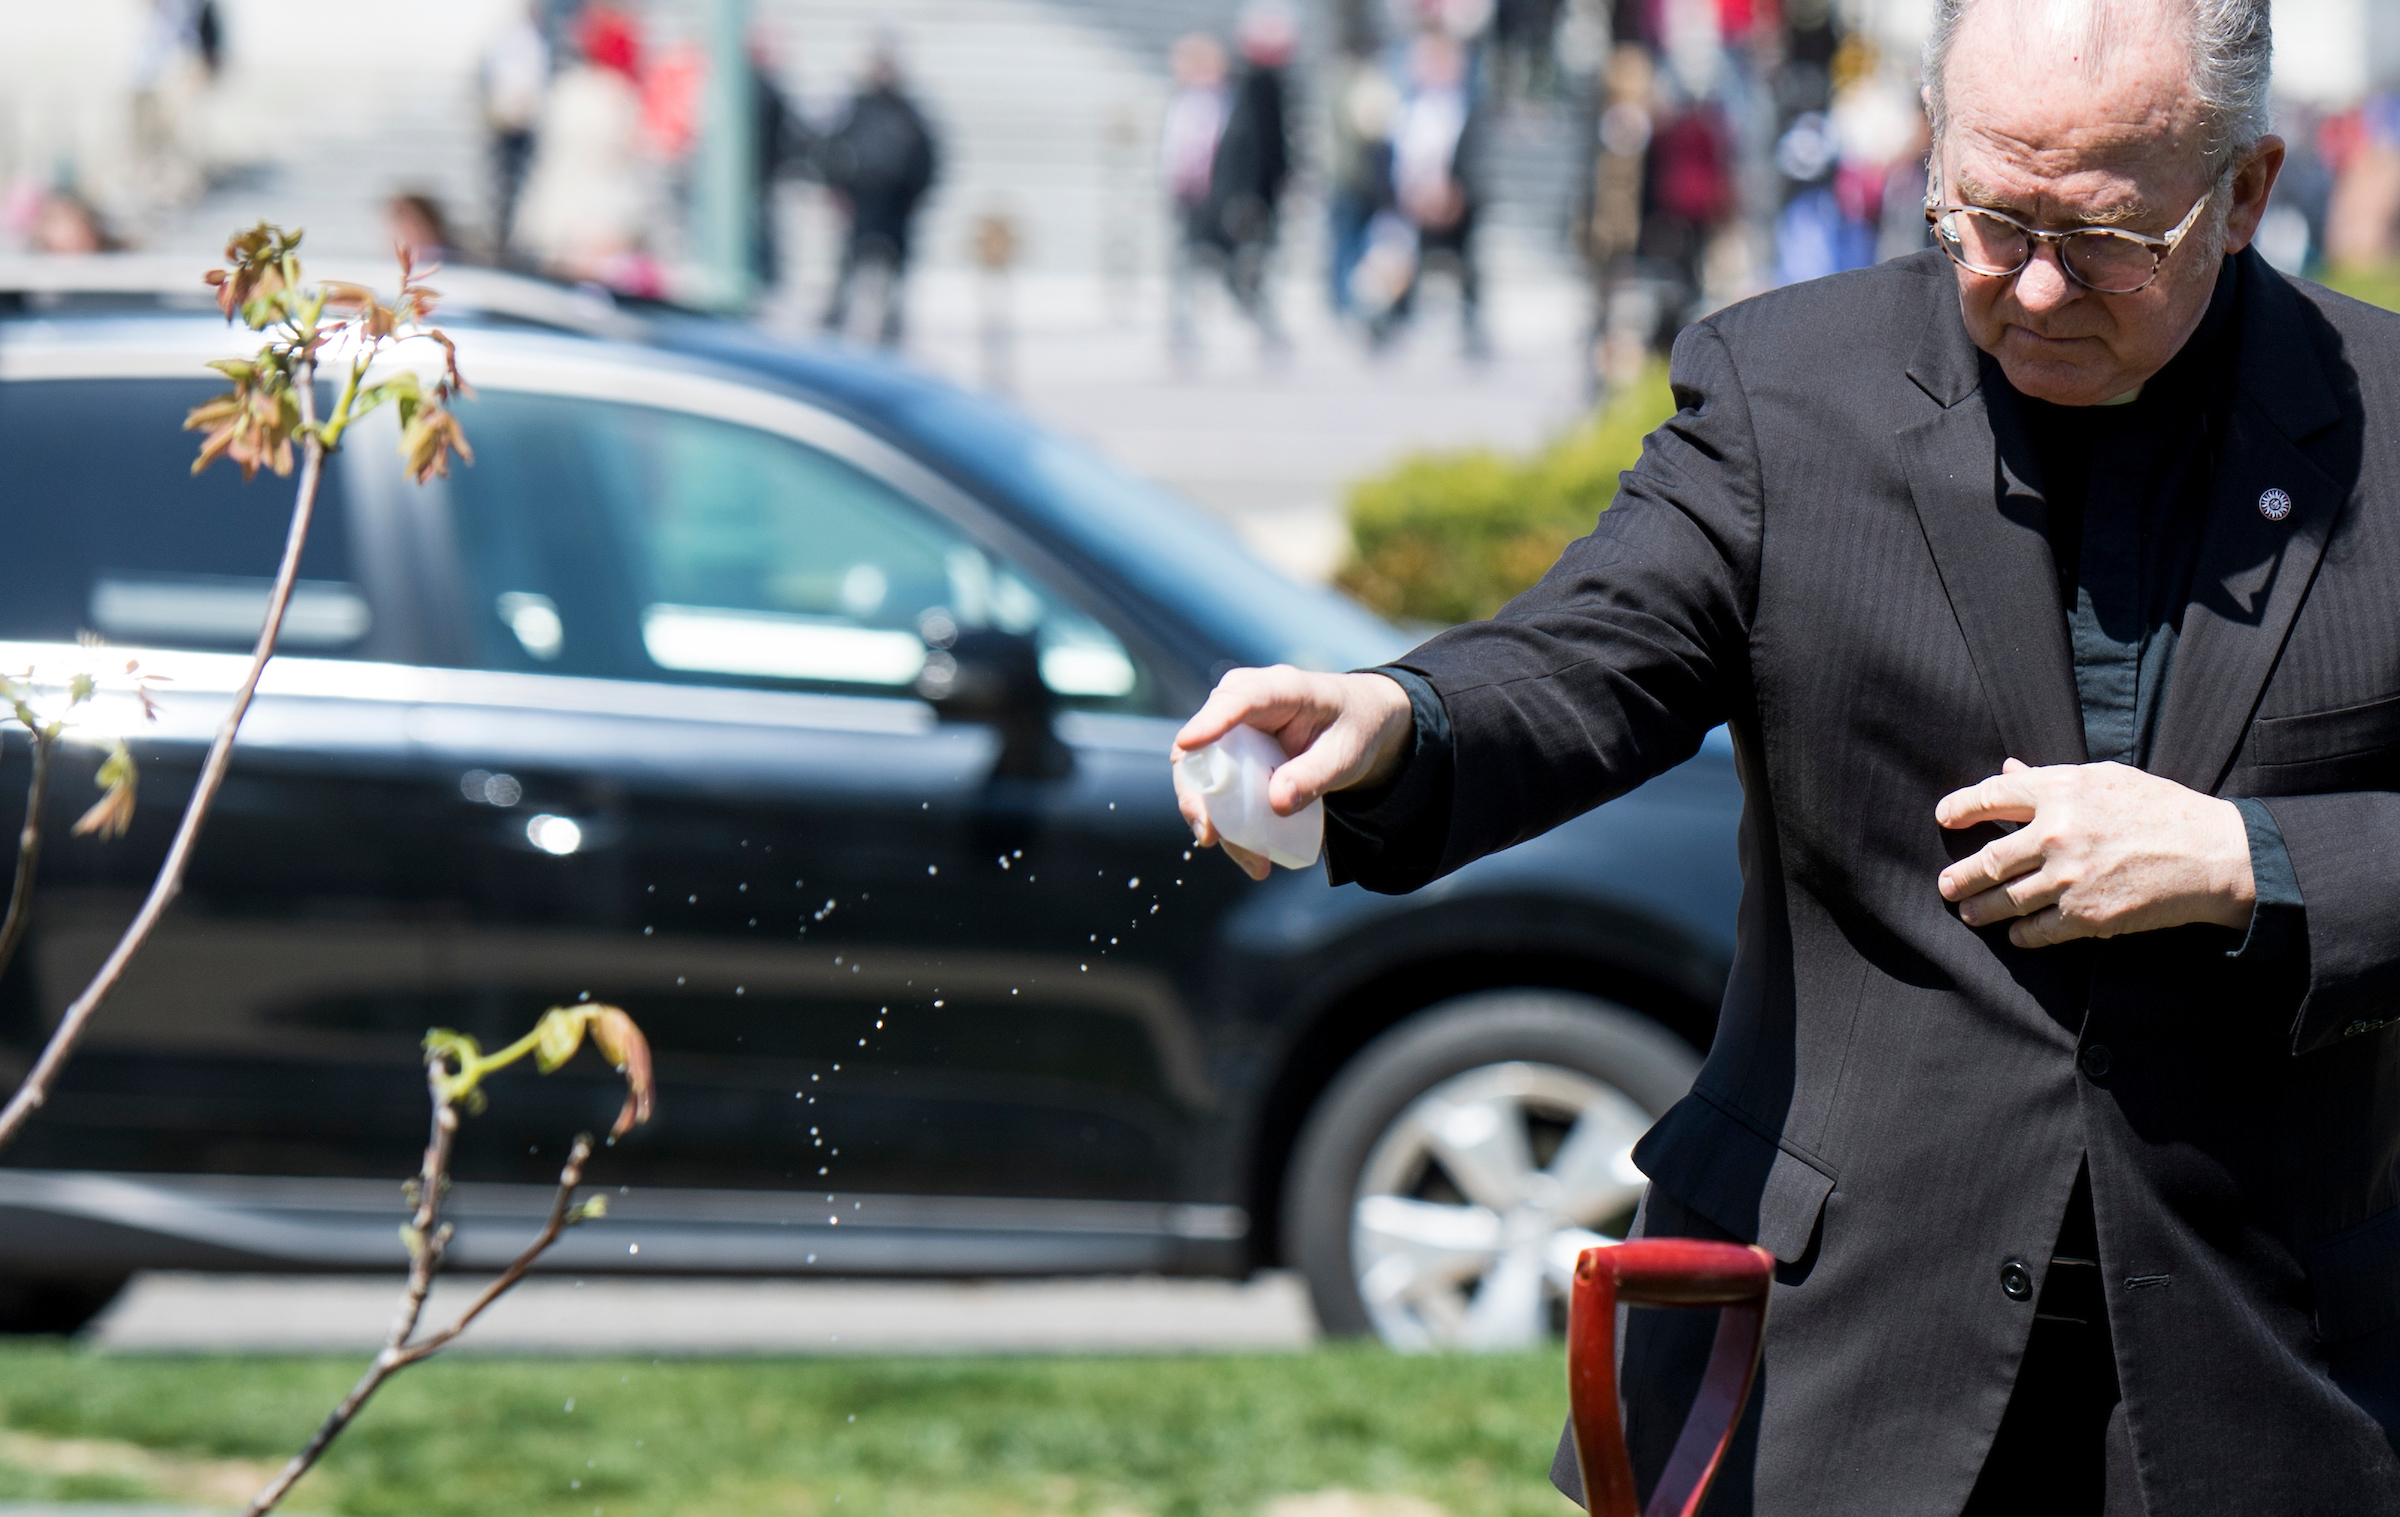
pixel 1671 154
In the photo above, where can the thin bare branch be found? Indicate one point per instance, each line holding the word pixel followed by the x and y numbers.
pixel 424 1258
pixel 29 851
pixel 561 1206
pixel 32 1095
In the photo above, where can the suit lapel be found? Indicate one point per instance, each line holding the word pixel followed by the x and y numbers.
pixel 2253 571
pixel 1986 524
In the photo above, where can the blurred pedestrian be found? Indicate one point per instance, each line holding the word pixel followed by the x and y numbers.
pixel 1608 227
pixel 1253 162
pixel 416 222
pixel 515 76
pixel 1435 153
pixel 782 149
pixel 2363 213
pixel 1364 105
pixel 880 159
pixel 589 198
pixel 1187 149
pixel 66 223
pixel 1522 34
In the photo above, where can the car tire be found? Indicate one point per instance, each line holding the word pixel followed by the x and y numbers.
pixel 59 1304
pixel 1446 1179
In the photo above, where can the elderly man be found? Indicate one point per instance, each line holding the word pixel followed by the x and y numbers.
pixel 2051 592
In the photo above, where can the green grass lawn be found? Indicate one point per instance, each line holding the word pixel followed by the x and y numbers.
pixel 1182 1437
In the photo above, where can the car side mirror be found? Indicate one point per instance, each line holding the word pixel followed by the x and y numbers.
pixel 986 675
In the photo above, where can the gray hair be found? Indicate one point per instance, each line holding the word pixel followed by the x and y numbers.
pixel 2233 54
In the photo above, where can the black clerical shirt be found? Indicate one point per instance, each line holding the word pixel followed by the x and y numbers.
pixel 2127 488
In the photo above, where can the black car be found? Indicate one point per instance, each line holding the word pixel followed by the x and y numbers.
pixel 817 713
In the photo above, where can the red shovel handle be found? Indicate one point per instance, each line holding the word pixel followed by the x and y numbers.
pixel 1662 1272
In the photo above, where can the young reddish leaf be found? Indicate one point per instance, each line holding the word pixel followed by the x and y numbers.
pixel 621 1042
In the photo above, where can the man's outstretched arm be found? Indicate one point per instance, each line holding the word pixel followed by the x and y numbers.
pixel 1608 671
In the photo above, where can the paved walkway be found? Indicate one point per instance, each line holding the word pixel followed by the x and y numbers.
pixel 196 1313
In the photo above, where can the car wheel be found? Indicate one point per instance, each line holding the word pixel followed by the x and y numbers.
pixel 1446 1181
pixel 54 1303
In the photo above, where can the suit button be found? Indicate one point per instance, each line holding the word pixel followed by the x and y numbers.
pixel 2016 1280
pixel 2096 1061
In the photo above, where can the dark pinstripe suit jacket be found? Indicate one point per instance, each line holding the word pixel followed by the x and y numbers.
pixel 1835 549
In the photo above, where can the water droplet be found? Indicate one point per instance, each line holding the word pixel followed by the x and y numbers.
pixel 645 932
pixel 691 900
pixel 570 1403
pixel 1134 884
pixel 879 1024
pixel 633 1248
pixel 812 1258
pixel 1112 805
pixel 853 1417
pixel 924 805
pixel 862 1042
pixel 1086 968
pixel 653 890
pixel 1016 853
pixel 939 1003
pixel 933 869
pixel 679 979
pixel 1187 855
pixel 1154 911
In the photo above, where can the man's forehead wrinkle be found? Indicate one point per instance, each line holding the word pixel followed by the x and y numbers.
pixel 2107 179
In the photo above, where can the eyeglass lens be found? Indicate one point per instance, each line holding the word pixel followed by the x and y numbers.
pixel 2100 258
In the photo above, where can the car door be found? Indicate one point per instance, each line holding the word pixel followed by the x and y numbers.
pixel 689 774
pixel 223 1051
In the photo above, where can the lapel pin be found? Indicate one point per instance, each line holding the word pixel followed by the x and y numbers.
pixel 2274 505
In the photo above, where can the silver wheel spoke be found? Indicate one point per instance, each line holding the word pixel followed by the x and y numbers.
pixel 1594 1172
pixel 1482 1145
pixel 1404 1248
pixel 1512 1307
pixel 1565 1247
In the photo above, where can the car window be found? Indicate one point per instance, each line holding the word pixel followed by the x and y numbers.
pixel 635 542
pixel 108 531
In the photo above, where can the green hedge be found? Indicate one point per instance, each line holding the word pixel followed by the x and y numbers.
pixel 1449 537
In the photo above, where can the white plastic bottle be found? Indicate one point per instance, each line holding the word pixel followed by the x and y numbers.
pixel 1231 776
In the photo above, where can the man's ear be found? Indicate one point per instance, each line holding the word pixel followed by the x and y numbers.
pixel 2253 183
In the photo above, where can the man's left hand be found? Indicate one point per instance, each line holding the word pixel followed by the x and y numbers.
pixel 2104 849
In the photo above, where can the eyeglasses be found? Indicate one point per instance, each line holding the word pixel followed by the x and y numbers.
pixel 2100 258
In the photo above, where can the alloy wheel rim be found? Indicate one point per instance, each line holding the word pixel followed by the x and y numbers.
pixel 1473 1205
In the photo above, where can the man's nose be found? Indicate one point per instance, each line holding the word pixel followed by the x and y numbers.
pixel 2043 285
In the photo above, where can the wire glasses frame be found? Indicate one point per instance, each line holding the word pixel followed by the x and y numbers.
pixel 2106 259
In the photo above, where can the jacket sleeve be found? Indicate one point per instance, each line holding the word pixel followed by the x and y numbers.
pixel 1615 665
pixel 2341 848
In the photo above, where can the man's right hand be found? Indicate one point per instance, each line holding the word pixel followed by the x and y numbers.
pixel 1338 731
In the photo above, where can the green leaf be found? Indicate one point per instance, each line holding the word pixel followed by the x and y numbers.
pixel 558 1035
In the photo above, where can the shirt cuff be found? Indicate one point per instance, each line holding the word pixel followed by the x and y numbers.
pixel 1369 829
pixel 2278 917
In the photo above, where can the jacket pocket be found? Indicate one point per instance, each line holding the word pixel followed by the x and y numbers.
pixel 2355 1275
pixel 2352 743
pixel 1721 1166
